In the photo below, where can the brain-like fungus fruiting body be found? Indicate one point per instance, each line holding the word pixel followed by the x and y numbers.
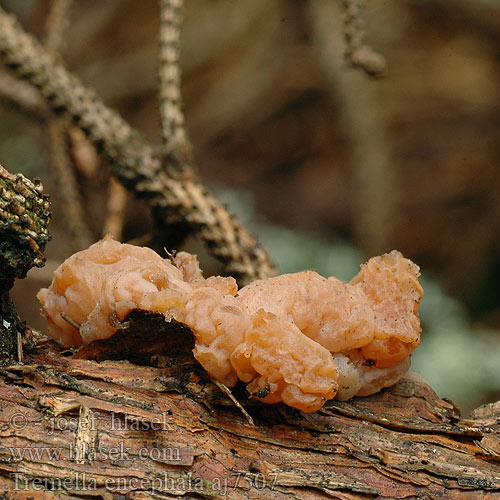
pixel 298 338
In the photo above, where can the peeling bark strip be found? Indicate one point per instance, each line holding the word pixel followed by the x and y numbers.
pixel 135 164
pixel 167 431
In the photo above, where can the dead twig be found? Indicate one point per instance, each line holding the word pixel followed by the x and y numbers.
pixel 177 148
pixel 236 403
pixel 70 320
pixel 134 162
pixel 56 24
pixel 373 172
pixel 23 95
pixel 117 203
pixel 83 153
pixel 70 196
pixel 68 191
pixel 19 347
pixel 357 52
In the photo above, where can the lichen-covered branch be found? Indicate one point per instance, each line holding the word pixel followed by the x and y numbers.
pixel 134 161
pixel 357 52
pixel 175 142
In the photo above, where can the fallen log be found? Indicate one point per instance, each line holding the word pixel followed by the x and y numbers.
pixel 73 427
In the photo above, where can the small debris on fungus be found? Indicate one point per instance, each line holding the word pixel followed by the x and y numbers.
pixel 298 338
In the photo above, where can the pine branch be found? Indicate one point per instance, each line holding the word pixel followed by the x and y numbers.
pixel 175 141
pixel 22 95
pixel 74 214
pixel 134 162
pixel 115 209
pixel 57 22
pixel 357 52
pixel 372 167
pixel 177 153
pixel 69 194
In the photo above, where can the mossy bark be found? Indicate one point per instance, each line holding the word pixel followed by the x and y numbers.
pixel 24 216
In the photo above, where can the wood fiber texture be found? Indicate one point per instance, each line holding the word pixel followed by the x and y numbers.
pixel 74 427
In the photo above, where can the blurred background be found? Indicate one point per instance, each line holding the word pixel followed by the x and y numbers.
pixel 326 165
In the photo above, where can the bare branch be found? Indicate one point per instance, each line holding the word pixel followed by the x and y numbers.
pixel 23 95
pixel 74 214
pixel 57 22
pixel 117 202
pixel 372 168
pixel 68 191
pixel 85 157
pixel 134 162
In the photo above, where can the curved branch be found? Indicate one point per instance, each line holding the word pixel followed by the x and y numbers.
pixel 134 162
pixel 57 22
pixel 357 52
pixel 175 141
pixel 74 214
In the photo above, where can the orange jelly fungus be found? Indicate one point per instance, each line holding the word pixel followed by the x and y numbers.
pixel 298 338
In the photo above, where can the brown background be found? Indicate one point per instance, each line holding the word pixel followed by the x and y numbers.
pixel 408 162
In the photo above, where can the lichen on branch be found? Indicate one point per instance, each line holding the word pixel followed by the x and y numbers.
pixel 298 338
pixel 134 161
pixel 24 216
pixel 176 145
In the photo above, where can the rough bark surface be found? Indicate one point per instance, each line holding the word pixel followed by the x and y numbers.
pixel 73 427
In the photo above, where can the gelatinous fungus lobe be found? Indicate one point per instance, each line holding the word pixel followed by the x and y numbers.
pixel 391 284
pixel 298 338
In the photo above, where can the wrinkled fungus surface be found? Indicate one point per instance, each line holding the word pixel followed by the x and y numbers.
pixel 298 338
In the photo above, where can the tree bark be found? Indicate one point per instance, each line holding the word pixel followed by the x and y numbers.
pixel 73 427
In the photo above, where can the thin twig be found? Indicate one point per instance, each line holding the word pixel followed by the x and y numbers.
pixel 372 167
pixel 68 191
pixel 134 162
pixel 236 403
pixel 19 347
pixel 117 203
pixel 56 24
pixel 74 214
pixel 357 52
pixel 70 320
pixel 23 95
pixel 83 153
pixel 176 144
